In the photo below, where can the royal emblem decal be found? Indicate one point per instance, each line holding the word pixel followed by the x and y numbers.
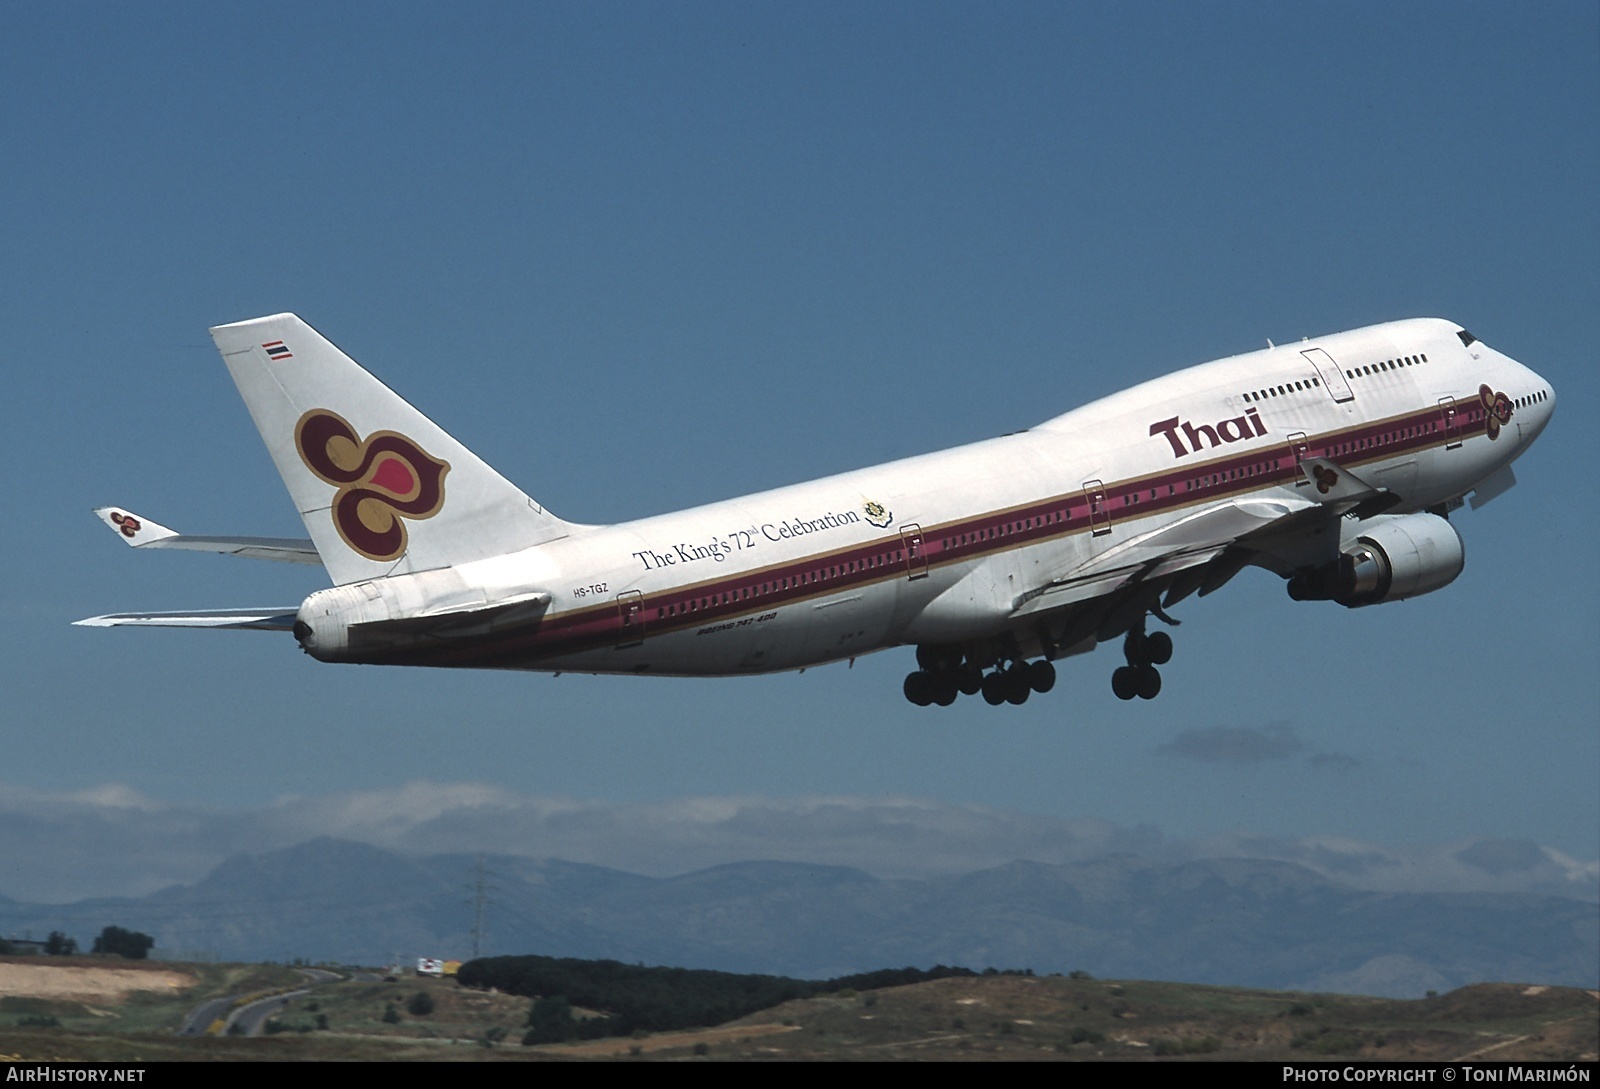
pixel 127 524
pixel 877 514
pixel 1326 478
pixel 1497 410
pixel 382 480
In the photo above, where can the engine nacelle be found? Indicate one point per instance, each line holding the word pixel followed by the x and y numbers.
pixel 1395 557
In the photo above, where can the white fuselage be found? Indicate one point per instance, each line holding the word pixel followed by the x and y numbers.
pixel 1015 542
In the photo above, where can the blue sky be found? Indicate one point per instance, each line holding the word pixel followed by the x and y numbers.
pixel 642 256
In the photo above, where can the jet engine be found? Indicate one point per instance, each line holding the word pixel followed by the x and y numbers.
pixel 1393 558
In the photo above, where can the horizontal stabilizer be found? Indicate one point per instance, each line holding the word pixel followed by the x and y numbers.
pixel 279 619
pixel 141 532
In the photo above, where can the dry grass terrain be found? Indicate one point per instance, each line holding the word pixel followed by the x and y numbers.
pixel 94 983
pixel 103 1009
pixel 1012 1018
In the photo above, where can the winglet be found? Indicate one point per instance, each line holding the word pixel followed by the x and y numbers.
pixel 141 532
pixel 1339 488
pixel 133 528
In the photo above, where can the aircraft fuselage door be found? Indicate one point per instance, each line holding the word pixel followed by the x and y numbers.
pixel 916 559
pixel 1332 375
pixel 1452 422
pixel 1299 449
pixel 1094 492
pixel 630 617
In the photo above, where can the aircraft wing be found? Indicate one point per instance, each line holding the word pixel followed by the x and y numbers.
pixel 1277 530
pixel 272 619
pixel 141 532
pixel 1188 543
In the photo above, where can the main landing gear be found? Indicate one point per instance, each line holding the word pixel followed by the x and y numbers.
pixel 944 677
pixel 948 671
pixel 1140 676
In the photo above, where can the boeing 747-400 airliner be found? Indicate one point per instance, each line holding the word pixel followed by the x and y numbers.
pixel 1334 463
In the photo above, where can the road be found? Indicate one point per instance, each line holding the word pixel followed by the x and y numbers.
pixel 247 1020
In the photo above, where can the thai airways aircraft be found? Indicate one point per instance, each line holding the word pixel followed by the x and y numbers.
pixel 1335 463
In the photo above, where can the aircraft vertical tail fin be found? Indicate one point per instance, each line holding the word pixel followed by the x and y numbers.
pixel 382 489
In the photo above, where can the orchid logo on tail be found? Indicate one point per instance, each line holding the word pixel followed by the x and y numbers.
pixel 382 480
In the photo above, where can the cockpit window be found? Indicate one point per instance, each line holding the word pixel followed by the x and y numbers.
pixel 1467 339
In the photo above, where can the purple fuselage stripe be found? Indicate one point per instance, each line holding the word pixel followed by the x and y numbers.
pixel 681 608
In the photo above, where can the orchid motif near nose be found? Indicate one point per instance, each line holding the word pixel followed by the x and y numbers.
pixel 1497 410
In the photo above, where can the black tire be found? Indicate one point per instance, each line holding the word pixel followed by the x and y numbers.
pixel 1041 676
pixel 1158 648
pixel 918 688
pixel 944 689
pixel 970 680
pixel 1149 683
pixel 994 689
pixel 1125 682
pixel 1017 689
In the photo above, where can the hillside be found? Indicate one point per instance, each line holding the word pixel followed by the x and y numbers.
pixel 991 1017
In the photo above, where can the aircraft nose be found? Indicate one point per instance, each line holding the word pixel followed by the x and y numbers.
pixel 1537 405
pixel 1540 411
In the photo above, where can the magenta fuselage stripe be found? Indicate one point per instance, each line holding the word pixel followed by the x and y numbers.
pixel 683 608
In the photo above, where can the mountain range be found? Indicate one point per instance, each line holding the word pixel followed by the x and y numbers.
pixel 1246 922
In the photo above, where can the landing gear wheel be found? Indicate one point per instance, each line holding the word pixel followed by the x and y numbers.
pixel 1125 682
pixel 944 689
pixel 994 688
pixel 1149 683
pixel 919 688
pixel 1158 648
pixel 1041 676
pixel 969 680
pixel 1017 687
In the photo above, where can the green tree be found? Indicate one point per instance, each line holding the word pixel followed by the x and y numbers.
pixel 550 1021
pixel 59 945
pixel 420 1004
pixel 129 944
